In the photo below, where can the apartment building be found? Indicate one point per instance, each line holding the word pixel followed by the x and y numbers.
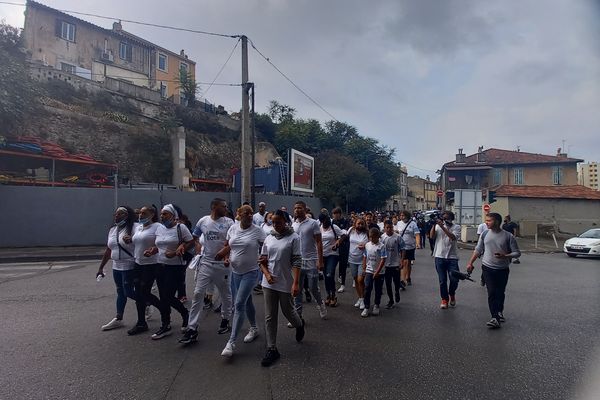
pixel 588 175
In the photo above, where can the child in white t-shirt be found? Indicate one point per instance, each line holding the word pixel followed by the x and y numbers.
pixel 373 263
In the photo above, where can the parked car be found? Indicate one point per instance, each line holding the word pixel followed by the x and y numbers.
pixel 588 244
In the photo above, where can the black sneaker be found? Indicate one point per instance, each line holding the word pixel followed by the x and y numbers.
pixel 397 297
pixel 162 332
pixel 189 336
pixel 516 261
pixel 137 329
pixel 270 357
pixel 184 324
pixel 389 305
pixel 224 327
pixel 501 317
pixel 299 333
pixel 308 297
pixel 493 323
pixel 409 282
pixel 402 285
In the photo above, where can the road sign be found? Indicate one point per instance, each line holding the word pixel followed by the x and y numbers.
pixel 487 207
pixel 440 193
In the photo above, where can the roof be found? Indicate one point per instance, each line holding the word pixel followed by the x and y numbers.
pixel 161 49
pixel 548 192
pixel 510 157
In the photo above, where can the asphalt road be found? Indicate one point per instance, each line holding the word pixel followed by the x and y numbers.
pixel 52 346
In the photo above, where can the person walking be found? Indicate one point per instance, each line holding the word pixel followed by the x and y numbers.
pixel 280 262
pixel 358 237
pixel 410 233
pixel 259 218
pixel 172 241
pixel 242 248
pixel 497 247
pixel 311 248
pixel 144 237
pixel 120 249
pixel 213 229
pixel 373 263
pixel 445 253
pixel 344 224
pixel 512 228
pixel 394 246
pixel 332 237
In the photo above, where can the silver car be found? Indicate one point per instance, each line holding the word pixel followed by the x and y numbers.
pixel 587 244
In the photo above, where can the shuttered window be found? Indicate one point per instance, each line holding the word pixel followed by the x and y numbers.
pixel 65 30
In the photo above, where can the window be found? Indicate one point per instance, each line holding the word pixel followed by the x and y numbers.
pixel 497 177
pixel 163 90
pixel 163 62
pixel 557 175
pixel 125 52
pixel 65 30
pixel 69 68
pixel 518 176
pixel 183 67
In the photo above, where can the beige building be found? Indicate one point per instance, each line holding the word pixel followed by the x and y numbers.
pixel 422 193
pixel 399 201
pixel 78 47
pixel 588 175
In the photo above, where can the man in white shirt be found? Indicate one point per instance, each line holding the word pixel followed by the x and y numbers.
pixel 446 234
pixel 259 218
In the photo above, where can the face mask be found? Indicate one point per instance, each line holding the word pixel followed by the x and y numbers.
pixel 168 224
pixel 144 221
pixel 121 223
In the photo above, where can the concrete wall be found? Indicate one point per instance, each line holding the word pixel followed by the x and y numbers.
pixel 569 216
pixel 40 216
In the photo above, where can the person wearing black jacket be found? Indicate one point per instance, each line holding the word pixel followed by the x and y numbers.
pixel 344 249
pixel 428 225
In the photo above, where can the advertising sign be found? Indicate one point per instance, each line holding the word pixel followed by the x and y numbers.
pixel 302 172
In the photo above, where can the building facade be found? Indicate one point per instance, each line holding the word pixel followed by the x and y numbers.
pixel 78 47
pixel 422 193
pixel 588 175
pixel 400 201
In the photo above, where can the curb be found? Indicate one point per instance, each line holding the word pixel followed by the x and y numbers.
pixel 468 246
pixel 29 259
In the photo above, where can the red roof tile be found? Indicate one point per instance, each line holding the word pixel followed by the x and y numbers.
pixel 548 192
pixel 504 157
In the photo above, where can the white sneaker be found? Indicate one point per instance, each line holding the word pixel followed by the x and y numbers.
pixel 362 304
pixel 357 304
pixel 228 350
pixel 252 334
pixel 353 284
pixel 364 313
pixel 148 313
pixel 339 280
pixel 341 289
pixel 322 311
pixel 114 323
pixel 289 325
pixel 375 310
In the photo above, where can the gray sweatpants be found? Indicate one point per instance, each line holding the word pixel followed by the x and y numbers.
pixel 313 285
pixel 208 274
pixel 274 299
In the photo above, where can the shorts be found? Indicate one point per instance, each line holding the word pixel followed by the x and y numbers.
pixel 356 270
pixel 309 264
pixel 409 254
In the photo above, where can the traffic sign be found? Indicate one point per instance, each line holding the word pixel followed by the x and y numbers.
pixel 440 193
pixel 487 207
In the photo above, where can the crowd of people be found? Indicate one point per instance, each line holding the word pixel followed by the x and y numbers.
pixel 283 257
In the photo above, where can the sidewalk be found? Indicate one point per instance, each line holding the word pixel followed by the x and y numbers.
pixel 47 254
pixel 527 245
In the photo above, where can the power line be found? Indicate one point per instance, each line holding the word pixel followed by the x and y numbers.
pixel 223 67
pixel 292 82
pixel 175 28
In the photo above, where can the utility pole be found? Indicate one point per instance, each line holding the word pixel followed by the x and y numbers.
pixel 253 150
pixel 246 159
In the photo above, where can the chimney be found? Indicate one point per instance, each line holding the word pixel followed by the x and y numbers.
pixel 460 157
pixel 559 153
pixel 117 26
pixel 182 53
pixel 480 155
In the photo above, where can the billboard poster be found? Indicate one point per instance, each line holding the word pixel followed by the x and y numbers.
pixel 302 172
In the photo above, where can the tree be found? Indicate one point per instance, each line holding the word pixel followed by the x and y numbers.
pixel 281 113
pixel 340 179
pixel 188 85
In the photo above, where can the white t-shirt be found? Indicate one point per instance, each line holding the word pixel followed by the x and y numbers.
pixel 444 247
pixel 356 238
pixel 307 230
pixel 409 235
pixel 279 252
pixel 374 253
pixel 121 261
pixel 393 247
pixel 258 219
pixel 167 239
pixel 214 233
pixel 329 239
pixel 481 228
pixel 144 238
pixel 267 228
pixel 245 247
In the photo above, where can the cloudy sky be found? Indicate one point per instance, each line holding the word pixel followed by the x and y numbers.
pixel 422 76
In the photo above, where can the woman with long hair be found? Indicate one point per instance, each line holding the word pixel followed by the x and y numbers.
pixel 120 249
pixel 358 237
pixel 332 237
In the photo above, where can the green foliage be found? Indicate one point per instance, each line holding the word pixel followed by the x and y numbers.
pixel 200 121
pixel 265 127
pixel 188 85
pixel 352 169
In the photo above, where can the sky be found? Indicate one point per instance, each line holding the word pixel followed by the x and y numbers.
pixel 425 77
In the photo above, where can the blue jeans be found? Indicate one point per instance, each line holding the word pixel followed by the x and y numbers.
pixel 370 282
pixel 241 292
pixel 312 276
pixel 330 264
pixel 124 283
pixel 443 266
